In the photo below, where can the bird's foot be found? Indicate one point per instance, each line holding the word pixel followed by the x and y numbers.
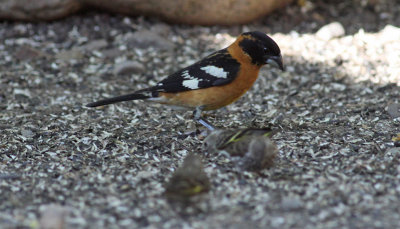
pixel 202 121
pixel 206 124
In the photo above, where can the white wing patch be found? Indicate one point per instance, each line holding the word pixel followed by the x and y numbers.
pixel 215 71
pixel 186 75
pixel 192 83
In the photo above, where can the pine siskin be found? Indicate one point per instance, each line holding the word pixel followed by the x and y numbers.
pixel 189 179
pixel 261 154
pixel 254 146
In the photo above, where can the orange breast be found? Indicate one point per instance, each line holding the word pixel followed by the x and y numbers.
pixel 219 96
pixel 215 97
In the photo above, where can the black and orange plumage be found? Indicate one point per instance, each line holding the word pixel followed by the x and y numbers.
pixel 215 81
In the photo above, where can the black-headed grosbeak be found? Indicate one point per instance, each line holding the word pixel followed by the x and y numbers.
pixel 252 147
pixel 215 81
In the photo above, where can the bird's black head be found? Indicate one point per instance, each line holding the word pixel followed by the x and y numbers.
pixel 261 48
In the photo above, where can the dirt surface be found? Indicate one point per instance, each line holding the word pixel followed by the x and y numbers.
pixel 336 109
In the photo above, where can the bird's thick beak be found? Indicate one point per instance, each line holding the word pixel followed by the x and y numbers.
pixel 276 61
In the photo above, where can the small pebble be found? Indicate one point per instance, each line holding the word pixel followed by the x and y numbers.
pixel 390 33
pixel 394 110
pixel 291 203
pixel 95 45
pixel 145 39
pixel 53 217
pixel 128 67
pixel 73 54
pixel 27 133
pixel 330 31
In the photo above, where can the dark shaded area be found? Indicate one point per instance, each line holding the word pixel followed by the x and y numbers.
pixel 353 15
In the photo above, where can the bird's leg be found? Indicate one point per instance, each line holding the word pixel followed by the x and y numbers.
pixel 202 121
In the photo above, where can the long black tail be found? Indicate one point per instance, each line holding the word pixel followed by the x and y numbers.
pixel 133 96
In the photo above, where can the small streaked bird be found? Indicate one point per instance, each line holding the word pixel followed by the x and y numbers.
pixel 188 180
pixel 396 140
pixel 252 148
pixel 260 154
pixel 213 82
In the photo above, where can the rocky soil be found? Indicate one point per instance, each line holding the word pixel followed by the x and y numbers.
pixel 336 110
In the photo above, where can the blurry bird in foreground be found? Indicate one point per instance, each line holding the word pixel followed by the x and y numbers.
pixel 261 154
pixel 188 180
pixel 254 147
pixel 396 140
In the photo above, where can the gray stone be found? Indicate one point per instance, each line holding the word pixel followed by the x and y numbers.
pixel 73 54
pixel 394 110
pixel 95 45
pixel 26 52
pixel 27 133
pixel 112 53
pixel 145 39
pixel 291 203
pixel 128 67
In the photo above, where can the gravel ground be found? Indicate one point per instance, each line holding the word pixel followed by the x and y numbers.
pixel 336 109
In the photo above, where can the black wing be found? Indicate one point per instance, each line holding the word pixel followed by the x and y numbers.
pixel 216 69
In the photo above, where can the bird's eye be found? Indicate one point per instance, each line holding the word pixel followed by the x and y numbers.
pixel 265 50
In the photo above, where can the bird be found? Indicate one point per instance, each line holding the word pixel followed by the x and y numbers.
pixel 217 80
pixel 251 148
pixel 261 154
pixel 235 142
pixel 396 140
pixel 188 180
